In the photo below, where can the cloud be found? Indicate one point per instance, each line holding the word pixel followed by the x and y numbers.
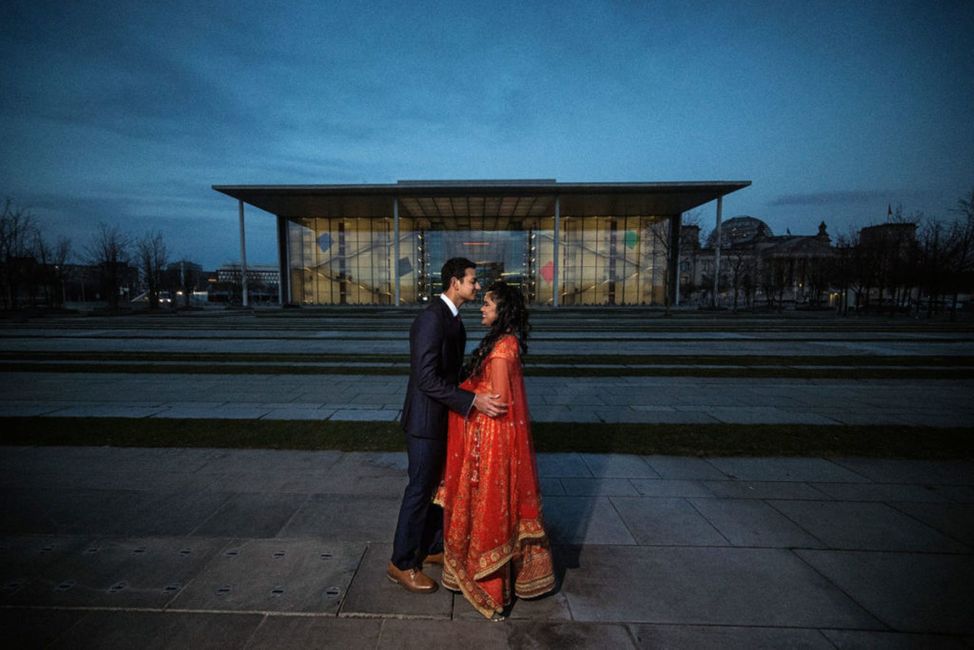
pixel 829 198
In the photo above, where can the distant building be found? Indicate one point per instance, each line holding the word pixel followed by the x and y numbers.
pixel 263 283
pixel 562 243
pixel 756 266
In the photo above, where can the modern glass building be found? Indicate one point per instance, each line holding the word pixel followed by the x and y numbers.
pixel 562 243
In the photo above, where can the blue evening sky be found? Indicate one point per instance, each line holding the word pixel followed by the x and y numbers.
pixel 127 112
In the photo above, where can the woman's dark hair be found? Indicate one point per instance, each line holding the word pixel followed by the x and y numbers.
pixel 512 318
pixel 455 267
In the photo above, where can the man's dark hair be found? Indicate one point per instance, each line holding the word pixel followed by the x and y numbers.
pixel 455 267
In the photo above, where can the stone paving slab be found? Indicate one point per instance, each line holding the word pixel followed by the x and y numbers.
pixel 959 493
pixel 763 490
pixel 25 557
pixel 373 594
pixel 649 487
pixel 550 486
pixel 618 466
pixel 114 411
pixel 584 520
pixel 36 628
pixel 786 469
pixel 707 586
pixel 865 526
pixel 922 472
pixel 158 630
pixel 299 413
pixel 855 640
pixel 267 461
pixel 562 465
pixel 908 592
pixel 302 575
pixel 591 636
pixel 753 523
pixel 884 492
pixel 315 632
pixel 233 412
pixel 56 511
pixel 254 514
pixel 351 518
pixel 111 572
pixel 423 635
pixel 684 467
pixel 723 637
pixel 695 415
pixel 955 520
pixel 605 487
pixel 167 513
pixel 27 411
pixel 765 415
pixel 366 415
pixel 667 522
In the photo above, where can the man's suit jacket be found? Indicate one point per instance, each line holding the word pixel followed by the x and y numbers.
pixel 436 344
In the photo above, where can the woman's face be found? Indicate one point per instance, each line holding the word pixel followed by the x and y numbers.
pixel 488 311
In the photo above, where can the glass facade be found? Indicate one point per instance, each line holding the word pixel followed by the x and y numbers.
pixel 603 260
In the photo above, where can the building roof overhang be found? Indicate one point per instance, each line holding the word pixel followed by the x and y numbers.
pixel 502 199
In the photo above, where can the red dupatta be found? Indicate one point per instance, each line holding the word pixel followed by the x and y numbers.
pixel 493 532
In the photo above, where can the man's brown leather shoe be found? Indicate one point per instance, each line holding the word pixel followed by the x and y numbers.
pixel 411 579
pixel 434 558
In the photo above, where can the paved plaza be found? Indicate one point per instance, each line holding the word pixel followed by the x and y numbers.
pixel 107 547
pixel 173 548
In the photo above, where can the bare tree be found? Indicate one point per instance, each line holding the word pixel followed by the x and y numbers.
pixel 51 267
pixel 962 241
pixel 17 235
pixel 932 263
pixel 109 251
pixel 152 258
pixel 741 265
pixel 662 235
pixel 774 279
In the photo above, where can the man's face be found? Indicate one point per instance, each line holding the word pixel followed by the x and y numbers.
pixel 468 287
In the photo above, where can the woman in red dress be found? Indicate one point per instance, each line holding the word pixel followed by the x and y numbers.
pixel 493 534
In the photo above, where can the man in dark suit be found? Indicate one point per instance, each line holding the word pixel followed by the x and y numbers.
pixel 436 345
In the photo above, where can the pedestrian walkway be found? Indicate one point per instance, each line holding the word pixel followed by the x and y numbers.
pixel 175 548
pixel 648 400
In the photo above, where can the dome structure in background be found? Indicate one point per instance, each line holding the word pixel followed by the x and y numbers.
pixel 739 231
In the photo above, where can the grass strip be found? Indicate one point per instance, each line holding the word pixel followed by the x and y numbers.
pixel 564 371
pixel 579 359
pixel 668 439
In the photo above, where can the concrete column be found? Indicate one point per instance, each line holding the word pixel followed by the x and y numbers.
pixel 720 209
pixel 674 270
pixel 395 244
pixel 554 266
pixel 243 256
pixel 284 263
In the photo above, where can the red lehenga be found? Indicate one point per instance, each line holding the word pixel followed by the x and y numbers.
pixel 493 533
